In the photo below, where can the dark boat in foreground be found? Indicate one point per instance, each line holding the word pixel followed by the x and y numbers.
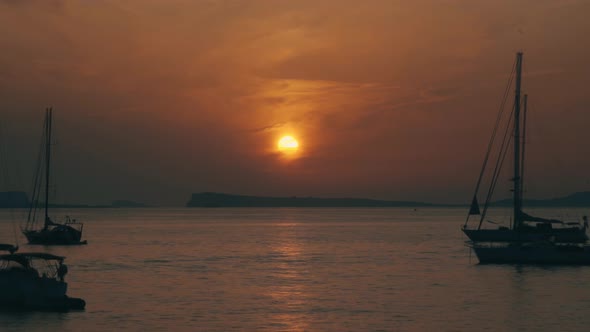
pixel 524 227
pixel 34 281
pixel 68 232
pixel 8 247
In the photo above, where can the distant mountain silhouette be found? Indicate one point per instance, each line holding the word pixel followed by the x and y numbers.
pixel 13 199
pixel 211 199
pixel 580 199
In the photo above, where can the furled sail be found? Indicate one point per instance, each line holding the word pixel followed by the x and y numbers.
pixel 474 210
pixel 527 217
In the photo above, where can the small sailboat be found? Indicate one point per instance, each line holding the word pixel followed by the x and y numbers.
pixel 68 232
pixel 530 240
pixel 34 281
pixel 524 227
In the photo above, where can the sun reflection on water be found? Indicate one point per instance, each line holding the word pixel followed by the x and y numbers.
pixel 289 293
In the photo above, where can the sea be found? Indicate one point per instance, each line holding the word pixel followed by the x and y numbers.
pixel 297 269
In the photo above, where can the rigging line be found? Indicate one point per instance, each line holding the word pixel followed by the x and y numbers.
pixel 36 181
pixel 47 166
pixel 494 132
pixel 501 154
pixel 492 188
pixel 53 141
pixel 502 162
pixel 495 175
pixel 523 148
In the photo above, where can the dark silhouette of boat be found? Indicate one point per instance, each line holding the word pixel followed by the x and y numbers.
pixel 34 281
pixel 539 231
pixel 8 247
pixel 524 227
pixel 535 252
pixel 68 232
pixel 530 240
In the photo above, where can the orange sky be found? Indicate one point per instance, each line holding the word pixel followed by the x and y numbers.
pixel 388 99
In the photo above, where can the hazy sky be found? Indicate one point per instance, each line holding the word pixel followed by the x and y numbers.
pixel 389 99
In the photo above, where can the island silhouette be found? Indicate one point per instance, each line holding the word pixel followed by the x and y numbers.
pixel 19 199
pixel 213 199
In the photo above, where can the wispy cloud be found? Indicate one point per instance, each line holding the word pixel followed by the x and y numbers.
pixel 189 92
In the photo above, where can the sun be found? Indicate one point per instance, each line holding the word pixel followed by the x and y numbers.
pixel 288 144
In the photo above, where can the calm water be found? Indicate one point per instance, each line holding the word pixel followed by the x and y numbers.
pixel 298 270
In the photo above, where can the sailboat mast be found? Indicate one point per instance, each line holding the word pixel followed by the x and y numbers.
pixel 517 155
pixel 524 142
pixel 47 162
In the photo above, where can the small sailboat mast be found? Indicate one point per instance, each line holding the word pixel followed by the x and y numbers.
pixel 517 179
pixel 47 163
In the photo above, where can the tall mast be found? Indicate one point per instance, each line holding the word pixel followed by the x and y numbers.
pixel 47 162
pixel 517 155
pixel 524 141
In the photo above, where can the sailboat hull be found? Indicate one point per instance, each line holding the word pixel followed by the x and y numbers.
pixel 25 289
pixel 61 235
pixel 28 289
pixel 567 235
pixel 533 254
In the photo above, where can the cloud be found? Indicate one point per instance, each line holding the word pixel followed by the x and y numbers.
pixel 383 95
